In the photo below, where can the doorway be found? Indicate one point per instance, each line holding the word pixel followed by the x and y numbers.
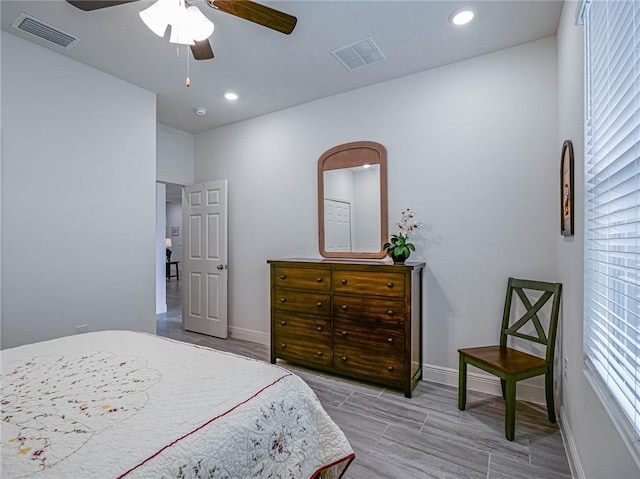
pixel 172 235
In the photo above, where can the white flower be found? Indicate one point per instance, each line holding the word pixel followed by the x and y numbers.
pixel 408 224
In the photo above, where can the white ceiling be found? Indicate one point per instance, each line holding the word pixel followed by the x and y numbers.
pixel 271 71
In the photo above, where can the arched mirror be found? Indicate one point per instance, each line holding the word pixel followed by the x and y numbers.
pixel 352 201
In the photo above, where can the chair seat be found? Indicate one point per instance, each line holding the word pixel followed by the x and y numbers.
pixel 507 360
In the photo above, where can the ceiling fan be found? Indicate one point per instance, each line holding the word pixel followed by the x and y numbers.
pixel 245 9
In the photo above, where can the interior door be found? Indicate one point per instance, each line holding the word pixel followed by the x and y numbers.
pixel 337 220
pixel 205 258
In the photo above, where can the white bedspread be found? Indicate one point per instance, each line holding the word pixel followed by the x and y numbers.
pixel 118 404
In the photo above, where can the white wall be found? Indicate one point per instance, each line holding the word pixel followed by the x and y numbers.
pixel 161 257
pixel 598 450
pixel 78 198
pixel 174 161
pixel 471 147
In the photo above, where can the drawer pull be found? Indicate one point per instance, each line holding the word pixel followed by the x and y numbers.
pixel 344 333
pixel 390 368
pixel 390 284
pixel 319 304
pixel 344 358
pixel 390 340
pixel 319 329
pixel 283 345
pixel 344 307
pixel 390 313
pixel 283 276
pixel 283 323
pixel 319 353
pixel 283 300
pixel 344 281
pixel 319 279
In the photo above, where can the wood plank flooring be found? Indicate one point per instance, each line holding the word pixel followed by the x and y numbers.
pixel 422 437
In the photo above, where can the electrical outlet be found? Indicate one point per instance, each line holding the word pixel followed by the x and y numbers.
pixel 81 329
pixel 566 366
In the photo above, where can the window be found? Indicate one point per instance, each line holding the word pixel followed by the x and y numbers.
pixel 612 210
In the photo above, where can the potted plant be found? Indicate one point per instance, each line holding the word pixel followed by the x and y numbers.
pixel 398 248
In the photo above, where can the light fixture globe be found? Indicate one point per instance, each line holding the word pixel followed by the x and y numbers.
pixel 200 26
pixel 156 18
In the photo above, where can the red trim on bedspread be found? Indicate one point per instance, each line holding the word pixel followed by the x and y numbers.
pixel 204 425
pixel 350 458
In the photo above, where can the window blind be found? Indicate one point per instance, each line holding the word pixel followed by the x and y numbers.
pixel 612 204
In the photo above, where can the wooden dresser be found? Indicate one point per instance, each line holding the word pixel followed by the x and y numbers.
pixel 357 318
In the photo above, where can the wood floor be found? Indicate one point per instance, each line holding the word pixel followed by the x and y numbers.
pixel 422 437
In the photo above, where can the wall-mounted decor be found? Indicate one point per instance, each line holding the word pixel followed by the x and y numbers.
pixel 566 189
pixel 175 231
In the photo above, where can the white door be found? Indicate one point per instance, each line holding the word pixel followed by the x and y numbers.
pixel 337 224
pixel 205 258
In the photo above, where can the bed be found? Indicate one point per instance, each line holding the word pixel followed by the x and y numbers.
pixel 119 404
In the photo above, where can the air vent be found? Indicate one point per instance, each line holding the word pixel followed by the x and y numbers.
pixel 359 54
pixel 33 26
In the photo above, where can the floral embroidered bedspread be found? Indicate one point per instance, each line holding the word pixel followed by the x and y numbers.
pixel 118 404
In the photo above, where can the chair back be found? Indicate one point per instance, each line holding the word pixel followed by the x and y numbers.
pixel 546 337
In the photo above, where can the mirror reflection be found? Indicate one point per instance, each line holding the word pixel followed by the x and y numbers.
pixel 352 209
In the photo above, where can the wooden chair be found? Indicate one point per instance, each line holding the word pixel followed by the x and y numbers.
pixel 509 364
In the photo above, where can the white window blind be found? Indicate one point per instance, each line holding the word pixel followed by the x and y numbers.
pixel 612 208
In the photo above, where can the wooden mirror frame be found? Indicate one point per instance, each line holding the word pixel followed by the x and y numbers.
pixel 351 155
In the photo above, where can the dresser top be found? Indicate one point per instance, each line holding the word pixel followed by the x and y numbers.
pixel 348 262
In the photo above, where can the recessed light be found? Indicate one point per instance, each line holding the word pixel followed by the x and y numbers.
pixel 462 17
pixel 231 96
pixel 200 111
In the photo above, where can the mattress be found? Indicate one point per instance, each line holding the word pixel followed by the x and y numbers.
pixel 119 404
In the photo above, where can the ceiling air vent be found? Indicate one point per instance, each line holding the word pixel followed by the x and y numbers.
pixel 33 26
pixel 359 54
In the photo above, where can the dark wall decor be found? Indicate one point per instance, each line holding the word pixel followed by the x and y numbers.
pixel 566 189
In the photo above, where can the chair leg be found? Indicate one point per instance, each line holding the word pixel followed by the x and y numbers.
pixel 548 387
pixel 504 392
pixel 510 409
pixel 462 384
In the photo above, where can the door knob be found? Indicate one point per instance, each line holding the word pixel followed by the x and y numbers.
pixel 220 267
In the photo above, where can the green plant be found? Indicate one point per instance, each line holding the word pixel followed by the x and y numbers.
pixel 399 245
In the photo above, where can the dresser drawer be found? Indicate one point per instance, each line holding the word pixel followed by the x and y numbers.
pixel 302 340
pixel 302 278
pixel 303 302
pixel 311 330
pixel 364 282
pixel 374 310
pixel 379 342
pixel 369 353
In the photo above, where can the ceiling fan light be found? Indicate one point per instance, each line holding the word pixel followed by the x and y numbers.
pixel 180 34
pixel 200 26
pixel 155 18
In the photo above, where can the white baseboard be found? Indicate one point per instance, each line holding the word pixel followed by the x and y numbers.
pixel 250 335
pixel 436 374
pixel 570 446
pixel 481 383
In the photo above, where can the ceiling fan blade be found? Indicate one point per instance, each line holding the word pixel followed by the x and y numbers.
pixel 202 50
pixel 256 13
pixel 89 5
